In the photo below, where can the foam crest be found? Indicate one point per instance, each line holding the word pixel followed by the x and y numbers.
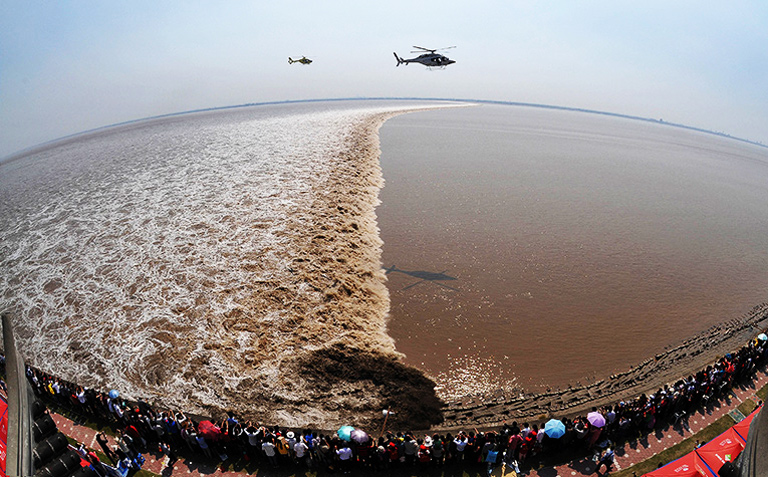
pixel 196 261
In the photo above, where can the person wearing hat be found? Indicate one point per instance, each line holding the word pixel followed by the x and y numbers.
pixel 290 438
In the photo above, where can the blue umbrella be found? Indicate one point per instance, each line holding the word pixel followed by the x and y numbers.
pixel 114 394
pixel 554 428
pixel 345 432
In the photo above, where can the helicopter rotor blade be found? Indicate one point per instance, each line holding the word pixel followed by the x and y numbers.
pixel 422 49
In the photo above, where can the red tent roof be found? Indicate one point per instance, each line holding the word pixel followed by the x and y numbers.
pixel 743 427
pixel 707 459
pixel 723 448
pixel 689 465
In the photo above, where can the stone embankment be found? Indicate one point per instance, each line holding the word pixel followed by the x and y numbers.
pixel 667 367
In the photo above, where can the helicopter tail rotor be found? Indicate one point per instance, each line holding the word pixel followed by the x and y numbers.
pixel 290 61
pixel 399 60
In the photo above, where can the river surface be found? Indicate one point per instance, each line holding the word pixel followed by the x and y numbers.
pixel 221 260
pixel 208 261
pixel 535 248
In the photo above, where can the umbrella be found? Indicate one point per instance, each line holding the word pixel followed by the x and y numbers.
pixel 762 337
pixel 359 436
pixel 209 430
pixel 596 419
pixel 344 432
pixel 554 428
pixel 113 394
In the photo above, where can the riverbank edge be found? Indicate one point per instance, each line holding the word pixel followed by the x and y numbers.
pixel 678 362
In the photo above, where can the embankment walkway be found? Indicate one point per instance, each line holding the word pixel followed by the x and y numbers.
pixel 631 453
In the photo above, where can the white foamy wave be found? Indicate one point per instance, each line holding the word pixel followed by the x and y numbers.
pixel 172 258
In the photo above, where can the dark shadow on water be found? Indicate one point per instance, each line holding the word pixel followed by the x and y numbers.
pixel 402 388
pixel 424 276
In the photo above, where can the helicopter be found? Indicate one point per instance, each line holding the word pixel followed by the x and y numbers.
pixel 431 59
pixel 303 60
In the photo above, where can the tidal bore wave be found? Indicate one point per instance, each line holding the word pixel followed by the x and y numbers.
pixel 218 261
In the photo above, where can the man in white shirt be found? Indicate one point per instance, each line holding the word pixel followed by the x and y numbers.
pixel 345 456
pixel 300 449
pixel 461 444
pixel 269 450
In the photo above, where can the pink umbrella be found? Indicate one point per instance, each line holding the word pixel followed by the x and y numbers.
pixel 596 419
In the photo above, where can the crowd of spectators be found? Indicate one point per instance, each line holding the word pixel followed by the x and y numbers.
pixel 140 427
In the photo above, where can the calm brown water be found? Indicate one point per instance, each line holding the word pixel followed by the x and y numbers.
pixel 571 245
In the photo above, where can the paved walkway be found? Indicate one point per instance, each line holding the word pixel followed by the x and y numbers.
pixel 632 452
pixel 639 450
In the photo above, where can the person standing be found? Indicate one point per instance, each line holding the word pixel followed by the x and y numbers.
pixel 411 447
pixel 103 441
pixel 300 451
pixel 461 445
pixel 345 457
pixel 167 449
pixel 269 450
pixel 606 460
pixel 204 446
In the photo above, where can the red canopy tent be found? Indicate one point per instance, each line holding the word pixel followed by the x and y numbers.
pixel 723 448
pixel 743 427
pixel 689 465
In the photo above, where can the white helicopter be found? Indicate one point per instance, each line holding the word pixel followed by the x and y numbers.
pixel 431 59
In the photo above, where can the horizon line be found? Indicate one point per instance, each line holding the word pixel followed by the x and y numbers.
pixel 29 149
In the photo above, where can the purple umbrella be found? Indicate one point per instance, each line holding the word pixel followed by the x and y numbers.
pixel 596 419
pixel 359 436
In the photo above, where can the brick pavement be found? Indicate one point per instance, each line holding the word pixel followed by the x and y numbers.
pixel 639 450
pixel 630 454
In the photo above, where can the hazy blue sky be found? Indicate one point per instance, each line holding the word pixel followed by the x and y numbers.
pixel 68 66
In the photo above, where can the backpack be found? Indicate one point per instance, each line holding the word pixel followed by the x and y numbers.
pixel 282 446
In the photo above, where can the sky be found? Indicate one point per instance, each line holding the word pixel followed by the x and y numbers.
pixel 71 66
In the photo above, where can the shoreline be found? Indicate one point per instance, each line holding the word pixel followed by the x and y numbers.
pixel 687 358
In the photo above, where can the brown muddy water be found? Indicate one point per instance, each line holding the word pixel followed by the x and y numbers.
pixel 221 261
pixel 538 248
